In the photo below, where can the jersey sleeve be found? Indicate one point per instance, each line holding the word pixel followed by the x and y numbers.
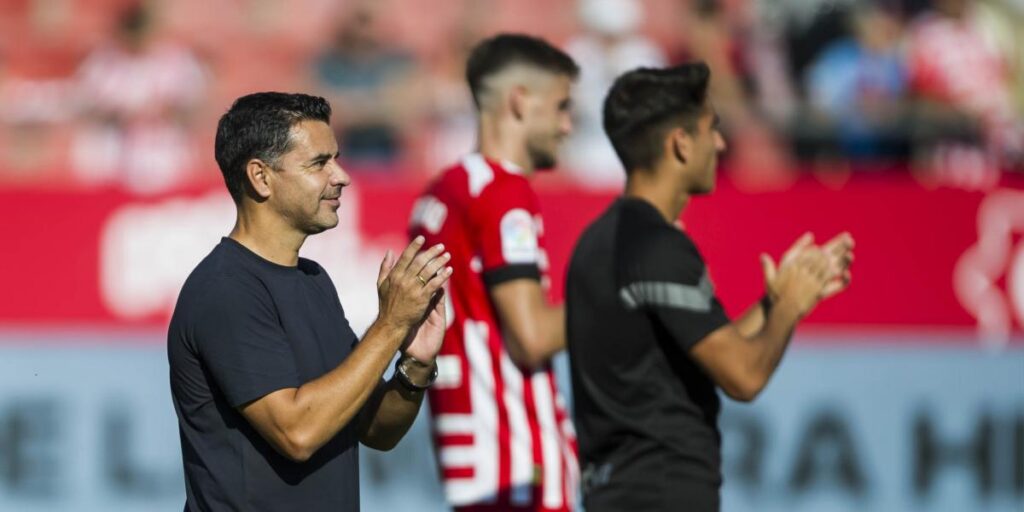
pixel 507 230
pixel 665 276
pixel 241 342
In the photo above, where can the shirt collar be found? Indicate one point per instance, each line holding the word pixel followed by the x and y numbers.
pixel 506 165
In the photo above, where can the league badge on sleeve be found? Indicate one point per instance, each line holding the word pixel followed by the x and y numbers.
pixel 518 237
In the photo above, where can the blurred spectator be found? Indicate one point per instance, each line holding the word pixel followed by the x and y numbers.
pixel 452 125
pixel 609 45
pixel 857 87
pixel 41 44
pixel 808 26
pixel 372 85
pixel 452 117
pixel 717 33
pixel 963 86
pixel 1000 23
pixel 136 94
pixel 722 34
pixel 826 81
pixel 32 110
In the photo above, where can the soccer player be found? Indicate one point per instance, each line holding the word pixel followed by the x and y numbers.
pixel 649 343
pixel 273 390
pixel 503 438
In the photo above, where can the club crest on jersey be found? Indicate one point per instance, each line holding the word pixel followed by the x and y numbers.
pixel 518 237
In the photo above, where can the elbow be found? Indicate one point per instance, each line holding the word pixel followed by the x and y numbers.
pixel 745 395
pixel 381 445
pixel 296 446
pixel 528 359
pixel 299 456
pixel 744 389
pixel 295 453
pixel 530 350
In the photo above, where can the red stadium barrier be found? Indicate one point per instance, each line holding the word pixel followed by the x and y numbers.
pixel 926 259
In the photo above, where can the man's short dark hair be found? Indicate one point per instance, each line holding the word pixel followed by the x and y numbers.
pixel 496 54
pixel 644 104
pixel 259 126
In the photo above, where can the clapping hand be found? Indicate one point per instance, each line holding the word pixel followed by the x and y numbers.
pixel 808 274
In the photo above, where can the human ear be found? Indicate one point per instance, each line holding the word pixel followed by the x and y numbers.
pixel 517 102
pixel 680 145
pixel 257 173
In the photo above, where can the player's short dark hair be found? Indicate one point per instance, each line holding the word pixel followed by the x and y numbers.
pixel 258 126
pixel 497 53
pixel 644 104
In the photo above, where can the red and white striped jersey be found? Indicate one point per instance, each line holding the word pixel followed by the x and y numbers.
pixel 502 434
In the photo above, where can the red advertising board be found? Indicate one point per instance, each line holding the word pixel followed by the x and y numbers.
pixel 927 259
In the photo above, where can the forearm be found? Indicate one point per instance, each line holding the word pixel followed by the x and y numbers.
pixel 322 407
pixel 532 328
pixel 393 415
pixel 752 320
pixel 298 421
pixel 742 356
pixel 771 340
pixel 553 334
pixel 535 343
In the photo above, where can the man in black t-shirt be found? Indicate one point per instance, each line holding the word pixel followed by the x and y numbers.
pixel 272 388
pixel 648 340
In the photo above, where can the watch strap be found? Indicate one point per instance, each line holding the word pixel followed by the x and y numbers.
pixel 405 380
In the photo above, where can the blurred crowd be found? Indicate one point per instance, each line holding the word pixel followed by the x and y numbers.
pixel 98 93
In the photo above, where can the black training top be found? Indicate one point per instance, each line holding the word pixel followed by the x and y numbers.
pixel 638 299
pixel 244 327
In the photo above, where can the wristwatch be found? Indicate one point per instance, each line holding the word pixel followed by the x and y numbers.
pixel 401 373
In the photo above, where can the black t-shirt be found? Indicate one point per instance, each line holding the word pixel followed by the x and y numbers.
pixel 244 327
pixel 638 298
